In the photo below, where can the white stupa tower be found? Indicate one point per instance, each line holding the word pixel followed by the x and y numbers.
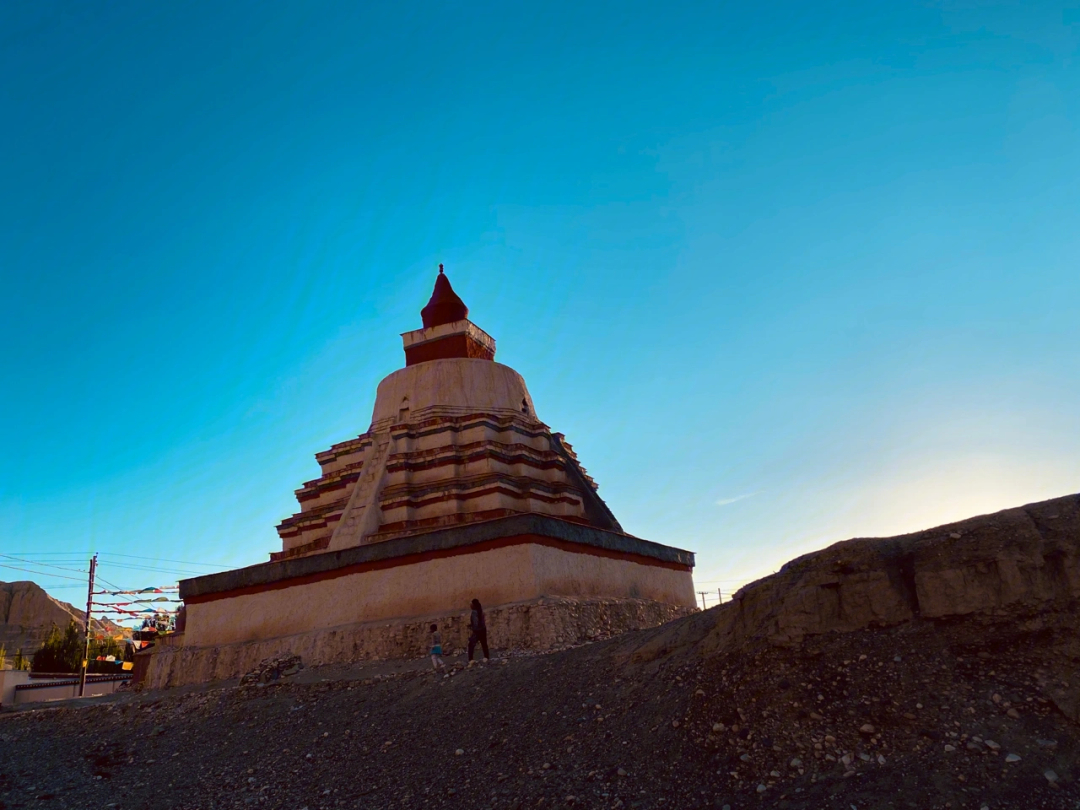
pixel 456 491
pixel 454 439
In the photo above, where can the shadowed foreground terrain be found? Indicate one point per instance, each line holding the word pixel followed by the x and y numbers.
pixel 932 670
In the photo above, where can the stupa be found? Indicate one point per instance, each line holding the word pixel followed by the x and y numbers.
pixel 454 440
pixel 456 491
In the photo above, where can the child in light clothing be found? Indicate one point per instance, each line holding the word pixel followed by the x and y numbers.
pixel 436 648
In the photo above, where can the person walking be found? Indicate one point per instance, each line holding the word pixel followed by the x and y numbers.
pixel 436 649
pixel 479 630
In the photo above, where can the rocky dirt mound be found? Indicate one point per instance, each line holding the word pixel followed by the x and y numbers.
pixel 273 669
pixel 820 687
pixel 1013 566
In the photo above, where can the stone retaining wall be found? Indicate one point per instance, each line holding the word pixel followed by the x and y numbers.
pixel 540 625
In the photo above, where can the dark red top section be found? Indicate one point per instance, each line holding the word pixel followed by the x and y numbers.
pixel 444 306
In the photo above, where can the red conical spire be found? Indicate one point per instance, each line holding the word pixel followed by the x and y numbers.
pixel 444 306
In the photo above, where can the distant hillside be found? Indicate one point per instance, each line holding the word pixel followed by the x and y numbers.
pixel 27 612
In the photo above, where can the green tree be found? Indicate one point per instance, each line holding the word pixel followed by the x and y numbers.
pixel 3 656
pixel 61 652
pixel 107 646
pixel 21 661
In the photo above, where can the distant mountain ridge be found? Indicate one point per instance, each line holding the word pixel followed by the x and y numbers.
pixel 27 613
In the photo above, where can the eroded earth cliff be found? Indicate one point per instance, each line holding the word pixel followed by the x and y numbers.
pixel 27 613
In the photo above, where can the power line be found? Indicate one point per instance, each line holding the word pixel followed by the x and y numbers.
pixel 42 564
pixel 118 589
pixel 111 563
pixel 115 588
pixel 159 559
pixel 151 568
pixel 117 554
pixel 111 585
pixel 39 573
pixel 722 580
pixel 82 571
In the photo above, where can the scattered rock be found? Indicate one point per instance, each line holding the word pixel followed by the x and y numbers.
pixel 273 669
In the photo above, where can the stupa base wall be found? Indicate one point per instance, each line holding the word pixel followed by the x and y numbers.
pixel 377 600
pixel 539 625
pixel 499 572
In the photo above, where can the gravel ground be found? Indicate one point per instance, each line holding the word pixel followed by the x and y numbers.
pixel 922 715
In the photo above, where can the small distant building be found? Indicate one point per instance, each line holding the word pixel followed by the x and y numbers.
pixel 456 491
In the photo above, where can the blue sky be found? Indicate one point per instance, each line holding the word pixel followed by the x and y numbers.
pixel 782 274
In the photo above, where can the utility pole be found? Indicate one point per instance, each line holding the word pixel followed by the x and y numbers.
pixel 721 595
pixel 89 607
pixel 702 595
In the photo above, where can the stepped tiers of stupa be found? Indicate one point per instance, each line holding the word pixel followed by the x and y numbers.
pixel 456 491
pixel 454 439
